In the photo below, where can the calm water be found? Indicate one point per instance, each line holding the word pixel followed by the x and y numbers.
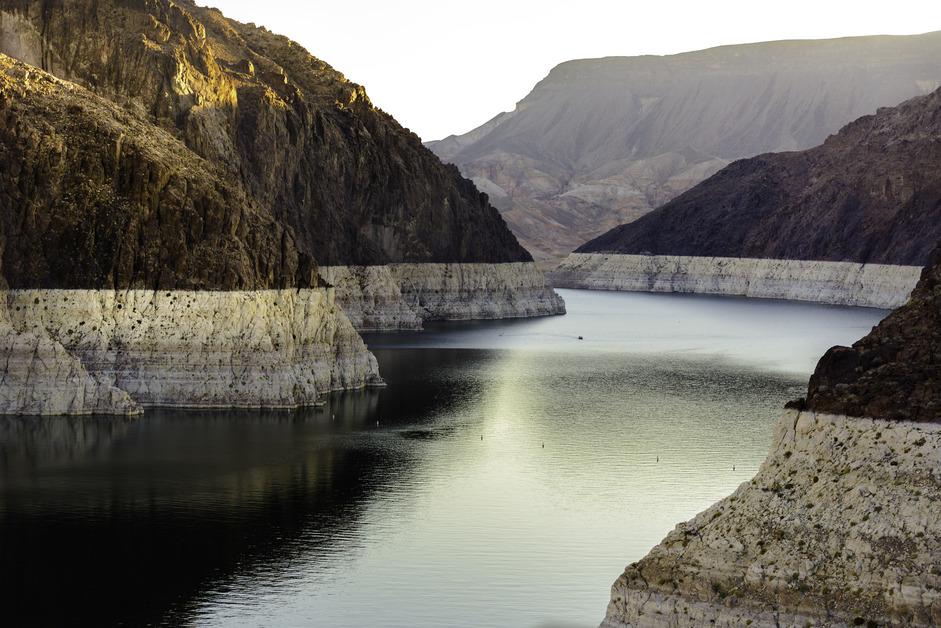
pixel 511 476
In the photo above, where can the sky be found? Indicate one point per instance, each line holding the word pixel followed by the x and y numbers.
pixel 443 67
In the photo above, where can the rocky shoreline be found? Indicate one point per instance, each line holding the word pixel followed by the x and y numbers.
pixel 116 352
pixel 836 283
pixel 838 528
pixel 404 296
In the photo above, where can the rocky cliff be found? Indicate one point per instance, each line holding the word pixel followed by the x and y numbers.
pixel 171 181
pixel 283 128
pixel 601 142
pixel 840 526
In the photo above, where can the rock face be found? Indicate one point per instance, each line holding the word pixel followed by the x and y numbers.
pixel 156 154
pixel 305 146
pixel 257 348
pixel 601 142
pixel 835 283
pixel 840 526
pixel 41 377
pixel 893 373
pixel 870 194
pixel 404 296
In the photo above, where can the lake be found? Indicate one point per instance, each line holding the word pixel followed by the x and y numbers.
pixel 504 478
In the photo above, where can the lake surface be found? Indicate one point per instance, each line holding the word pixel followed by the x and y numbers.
pixel 504 478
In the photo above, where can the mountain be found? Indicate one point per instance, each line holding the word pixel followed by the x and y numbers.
pixel 290 133
pixel 869 194
pixel 177 187
pixel 601 142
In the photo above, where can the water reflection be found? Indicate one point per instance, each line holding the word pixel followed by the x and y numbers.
pixel 495 482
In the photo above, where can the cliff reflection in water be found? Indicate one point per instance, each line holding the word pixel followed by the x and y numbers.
pixel 118 521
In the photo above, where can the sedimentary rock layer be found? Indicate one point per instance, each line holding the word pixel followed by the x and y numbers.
pixel 261 348
pixel 839 527
pixel 403 296
pixel 837 283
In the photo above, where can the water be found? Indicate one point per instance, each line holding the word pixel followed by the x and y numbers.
pixel 513 473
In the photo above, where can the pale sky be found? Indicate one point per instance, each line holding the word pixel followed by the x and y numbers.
pixel 443 67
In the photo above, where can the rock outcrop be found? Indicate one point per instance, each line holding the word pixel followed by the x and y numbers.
pixel 834 283
pixel 601 142
pixel 840 526
pixel 156 156
pixel 404 296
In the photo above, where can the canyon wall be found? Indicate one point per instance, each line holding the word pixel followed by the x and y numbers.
pixel 835 283
pixel 99 351
pixel 161 159
pixel 404 296
pixel 839 527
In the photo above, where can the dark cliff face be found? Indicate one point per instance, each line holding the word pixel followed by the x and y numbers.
pixel 895 371
pixel 92 196
pixel 216 154
pixel 871 193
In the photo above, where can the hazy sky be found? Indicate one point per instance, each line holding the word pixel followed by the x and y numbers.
pixel 443 67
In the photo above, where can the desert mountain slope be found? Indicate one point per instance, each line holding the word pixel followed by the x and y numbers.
pixel 870 194
pixel 600 142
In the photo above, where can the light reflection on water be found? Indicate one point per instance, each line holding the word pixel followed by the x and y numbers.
pixel 513 473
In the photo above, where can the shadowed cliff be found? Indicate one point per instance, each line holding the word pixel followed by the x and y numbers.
pixel 894 372
pixel 188 150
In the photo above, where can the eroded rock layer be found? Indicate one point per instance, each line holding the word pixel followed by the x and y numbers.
pixel 403 296
pixel 836 283
pixel 839 527
pixel 259 348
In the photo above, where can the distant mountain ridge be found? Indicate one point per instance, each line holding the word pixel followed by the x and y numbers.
pixel 601 142
pixel 870 194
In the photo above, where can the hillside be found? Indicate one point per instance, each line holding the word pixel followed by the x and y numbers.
pixel 601 142
pixel 870 194
pixel 247 122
